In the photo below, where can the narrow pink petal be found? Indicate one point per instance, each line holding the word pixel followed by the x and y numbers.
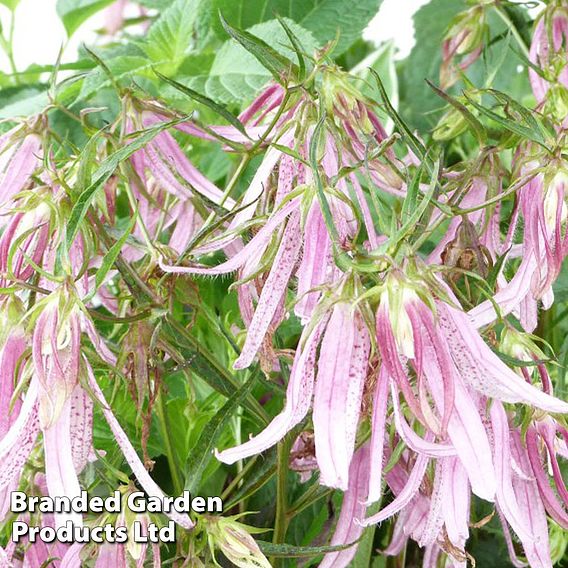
pixel 22 164
pixel 298 400
pixel 502 455
pixel 18 442
pixel 142 475
pixel 316 264
pixel 376 447
pixel 349 525
pixel 483 370
pixel 342 369
pixel 438 500
pixel 260 181
pixel 412 439
pixel 273 290
pixel 14 347
pixel 72 558
pixel 465 430
pixel 549 498
pixel 409 491
pixel 457 508
pixel 252 250
pixel 509 297
pixel 81 428
pixel 532 508
pixel 60 474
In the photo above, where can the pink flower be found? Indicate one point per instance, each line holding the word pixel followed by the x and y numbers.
pixel 342 368
pixel 20 158
pixel 550 58
pixel 542 205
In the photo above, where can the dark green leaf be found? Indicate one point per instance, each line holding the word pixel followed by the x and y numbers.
pixel 220 110
pixel 202 452
pixel 326 19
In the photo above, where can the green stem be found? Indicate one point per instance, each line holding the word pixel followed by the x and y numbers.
pixel 511 25
pixel 281 520
pixel 166 435
pixel 7 46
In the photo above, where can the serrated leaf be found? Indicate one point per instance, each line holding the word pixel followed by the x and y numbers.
pixel 236 75
pixel 324 18
pixel 278 65
pixel 74 12
pixel 202 453
pixel 171 37
pixel 220 110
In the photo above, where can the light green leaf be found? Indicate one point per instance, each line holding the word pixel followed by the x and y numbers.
pixel 382 61
pixel 171 37
pixel 10 4
pixel 236 75
pixel 74 12
pixel 324 18
pixel 121 67
pixel 110 257
pixel 28 101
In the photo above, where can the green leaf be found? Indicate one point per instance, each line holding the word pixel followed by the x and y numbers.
pixel 380 60
pixel 278 65
pixel 122 68
pixel 411 140
pixel 110 257
pixel 290 551
pixel 237 76
pixel 74 12
pixel 103 173
pixel 324 18
pixel 205 366
pixel 10 4
pixel 202 452
pixel 262 473
pixel 220 110
pixel 474 124
pixel 171 37
pixel 430 23
pixel 510 125
pixel 24 102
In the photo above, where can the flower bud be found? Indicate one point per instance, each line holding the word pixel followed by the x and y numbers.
pixel 233 540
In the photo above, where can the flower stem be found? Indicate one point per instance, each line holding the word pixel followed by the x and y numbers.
pixel 281 520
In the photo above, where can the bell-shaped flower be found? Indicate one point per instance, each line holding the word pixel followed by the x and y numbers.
pixel 342 368
pixel 20 158
pixel 548 73
pixel 542 203
pixel 463 44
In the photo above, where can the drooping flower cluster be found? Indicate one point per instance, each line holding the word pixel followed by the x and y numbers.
pixel 391 298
